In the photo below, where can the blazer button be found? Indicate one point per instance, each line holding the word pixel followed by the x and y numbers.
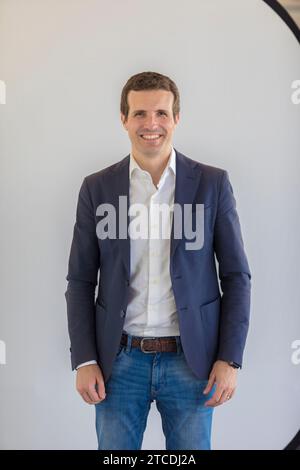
pixel 123 313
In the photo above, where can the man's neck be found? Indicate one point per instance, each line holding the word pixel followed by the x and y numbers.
pixel 155 165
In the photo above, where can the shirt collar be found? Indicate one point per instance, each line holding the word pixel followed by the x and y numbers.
pixel 133 164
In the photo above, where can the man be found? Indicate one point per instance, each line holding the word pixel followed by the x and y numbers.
pixel 160 329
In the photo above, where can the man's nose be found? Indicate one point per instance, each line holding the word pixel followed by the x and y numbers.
pixel 151 121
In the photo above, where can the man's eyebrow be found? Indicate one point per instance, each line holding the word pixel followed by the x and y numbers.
pixel 143 111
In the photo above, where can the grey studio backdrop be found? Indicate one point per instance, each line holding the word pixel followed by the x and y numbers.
pixel 64 63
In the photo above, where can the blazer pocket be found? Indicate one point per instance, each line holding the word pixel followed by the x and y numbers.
pixel 100 313
pixel 210 317
pixel 100 319
pixel 100 304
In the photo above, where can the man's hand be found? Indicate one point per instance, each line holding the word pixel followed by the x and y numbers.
pixel 90 384
pixel 225 378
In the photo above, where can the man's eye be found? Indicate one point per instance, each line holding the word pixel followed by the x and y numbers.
pixel 140 112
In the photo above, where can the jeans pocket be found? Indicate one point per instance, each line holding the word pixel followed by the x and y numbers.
pixel 121 348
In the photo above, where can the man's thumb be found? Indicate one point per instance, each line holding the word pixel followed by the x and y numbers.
pixel 209 384
pixel 100 387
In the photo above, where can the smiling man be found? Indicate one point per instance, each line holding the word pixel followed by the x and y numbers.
pixel 161 329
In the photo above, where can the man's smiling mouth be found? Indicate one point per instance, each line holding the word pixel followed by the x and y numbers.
pixel 151 136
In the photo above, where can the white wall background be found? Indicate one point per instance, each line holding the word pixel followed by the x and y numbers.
pixel 64 63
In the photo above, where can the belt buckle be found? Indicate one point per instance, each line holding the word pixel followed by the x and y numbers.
pixel 142 345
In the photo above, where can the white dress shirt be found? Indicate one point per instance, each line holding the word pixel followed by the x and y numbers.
pixel 151 309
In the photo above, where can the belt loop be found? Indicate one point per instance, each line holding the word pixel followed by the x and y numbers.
pixel 128 345
pixel 178 343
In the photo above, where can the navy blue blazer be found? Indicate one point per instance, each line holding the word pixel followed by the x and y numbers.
pixel 213 316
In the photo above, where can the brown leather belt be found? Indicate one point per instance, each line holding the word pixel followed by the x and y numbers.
pixel 152 345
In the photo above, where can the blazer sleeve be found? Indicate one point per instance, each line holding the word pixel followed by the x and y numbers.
pixel 234 275
pixel 83 267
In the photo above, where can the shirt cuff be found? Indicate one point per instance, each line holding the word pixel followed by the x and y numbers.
pixel 86 364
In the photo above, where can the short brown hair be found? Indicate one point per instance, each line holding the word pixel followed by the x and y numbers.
pixel 149 81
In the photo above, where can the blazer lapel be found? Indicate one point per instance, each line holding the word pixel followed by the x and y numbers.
pixel 187 182
pixel 119 186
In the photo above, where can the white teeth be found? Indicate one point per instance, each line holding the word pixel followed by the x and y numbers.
pixel 151 137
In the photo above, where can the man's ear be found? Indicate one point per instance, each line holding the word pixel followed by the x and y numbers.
pixel 177 116
pixel 123 120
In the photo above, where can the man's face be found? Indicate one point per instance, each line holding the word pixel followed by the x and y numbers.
pixel 150 114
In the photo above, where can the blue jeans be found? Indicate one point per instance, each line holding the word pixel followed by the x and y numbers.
pixel 139 378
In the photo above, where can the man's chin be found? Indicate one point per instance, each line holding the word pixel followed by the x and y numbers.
pixel 152 151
